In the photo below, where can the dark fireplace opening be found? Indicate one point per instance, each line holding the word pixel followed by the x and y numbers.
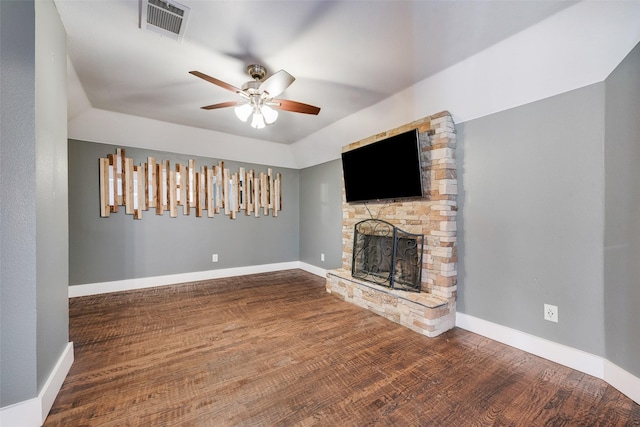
pixel 386 255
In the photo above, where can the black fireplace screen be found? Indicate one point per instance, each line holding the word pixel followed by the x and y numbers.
pixel 386 255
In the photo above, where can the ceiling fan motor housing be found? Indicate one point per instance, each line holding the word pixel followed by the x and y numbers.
pixel 256 71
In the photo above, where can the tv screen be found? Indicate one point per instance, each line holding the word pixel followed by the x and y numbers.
pixel 386 169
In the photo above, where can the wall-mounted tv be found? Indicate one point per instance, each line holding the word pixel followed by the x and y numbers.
pixel 386 169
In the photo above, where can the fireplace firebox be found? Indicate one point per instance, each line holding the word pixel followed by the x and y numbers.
pixel 386 255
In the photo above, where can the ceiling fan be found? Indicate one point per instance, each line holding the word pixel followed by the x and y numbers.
pixel 258 96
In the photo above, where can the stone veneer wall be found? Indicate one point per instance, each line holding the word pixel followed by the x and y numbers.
pixel 434 215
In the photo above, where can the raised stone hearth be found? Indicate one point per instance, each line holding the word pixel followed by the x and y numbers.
pixel 432 311
pixel 423 312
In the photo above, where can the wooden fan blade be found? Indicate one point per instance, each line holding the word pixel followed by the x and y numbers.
pixel 215 81
pixel 296 107
pixel 277 83
pixel 221 105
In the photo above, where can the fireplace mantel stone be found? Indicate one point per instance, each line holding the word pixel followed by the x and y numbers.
pixel 432 311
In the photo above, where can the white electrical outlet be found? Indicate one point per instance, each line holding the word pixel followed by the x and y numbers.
pixel 551 313
pixel 214 258
pixel 321 257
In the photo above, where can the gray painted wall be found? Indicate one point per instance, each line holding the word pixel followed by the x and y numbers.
pixel 622 214
pixel 119 247
pixel 321 214
pixel 531 183
pixel 33 190
pixel 18 200
pixel 52 229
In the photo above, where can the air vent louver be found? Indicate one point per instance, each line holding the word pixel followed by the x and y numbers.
pixel 164 17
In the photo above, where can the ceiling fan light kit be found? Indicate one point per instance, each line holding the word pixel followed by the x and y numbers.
pixel 258 96
pixel 262 114
pixel 258 121
pixel 243 111
pixel 270 115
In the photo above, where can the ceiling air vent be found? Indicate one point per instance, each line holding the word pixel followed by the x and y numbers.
pixel 164 17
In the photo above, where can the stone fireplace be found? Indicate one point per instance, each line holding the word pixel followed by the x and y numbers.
pixel 431 310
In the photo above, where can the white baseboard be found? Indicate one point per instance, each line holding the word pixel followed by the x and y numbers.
pixel 22 414
pixel 322 272
pixel 625 382
pixel 150 282
pixel 579 360
pixel 33 412
pixel 51 388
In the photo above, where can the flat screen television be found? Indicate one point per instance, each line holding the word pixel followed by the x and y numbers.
pixel 387 169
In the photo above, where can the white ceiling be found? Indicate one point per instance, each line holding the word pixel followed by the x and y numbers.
pixel 345 55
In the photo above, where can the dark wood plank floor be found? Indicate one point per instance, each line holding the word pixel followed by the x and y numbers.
pixel 275 349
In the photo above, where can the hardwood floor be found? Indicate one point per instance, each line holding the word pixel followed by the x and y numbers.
pixel 275 349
